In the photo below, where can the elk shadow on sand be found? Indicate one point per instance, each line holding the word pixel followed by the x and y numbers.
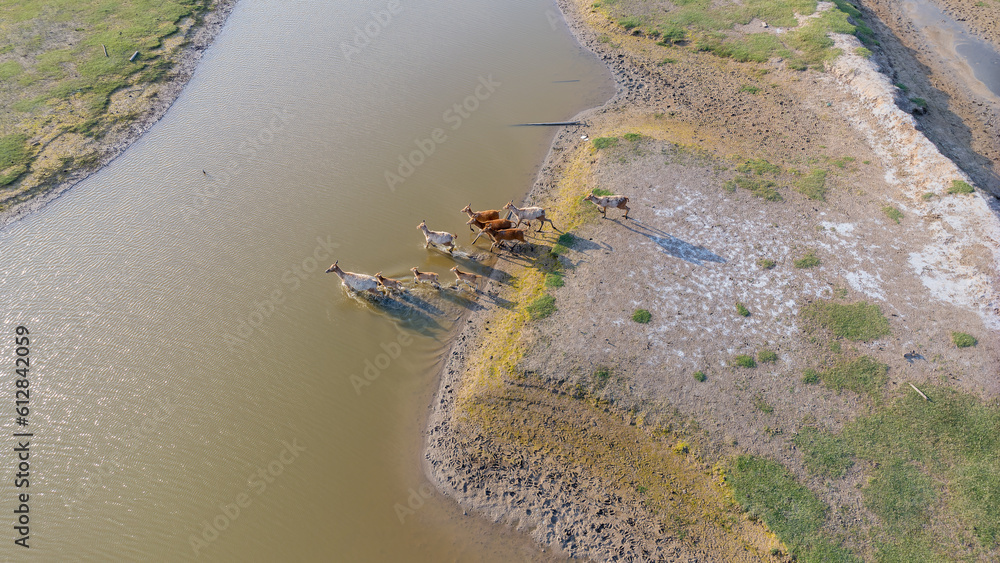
pixel 676 247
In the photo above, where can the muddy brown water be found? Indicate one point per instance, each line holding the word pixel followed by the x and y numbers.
pixel 192 392
pixel 977 59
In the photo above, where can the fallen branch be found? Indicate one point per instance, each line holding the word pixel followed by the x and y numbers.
pixel 918 391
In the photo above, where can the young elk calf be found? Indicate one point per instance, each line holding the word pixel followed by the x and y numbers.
pixel 388 284
pixel 477 218
pixel 499 237
pixel 431 277
pixel 498 225
pixel 529 214
pixel 467 277
pixel 355 282
pixel 604 202
pixel 442 238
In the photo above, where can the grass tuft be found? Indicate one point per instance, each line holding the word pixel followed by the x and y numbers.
pixel 642 316
pixel 810 260
pixel 963 340
pixel 742 310
pixel 700 376
pixel 893 213
pixel 960 187
pixel 745 361
pixel 604 142
pixel 542 307
pixel 767 356
pixel 813 185
pixel 765 263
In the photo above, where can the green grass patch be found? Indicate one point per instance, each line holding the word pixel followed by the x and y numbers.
pixel 810 260
pixel 864 375
pixel 963 340
pixel 863 52
pixel 824 454
pixel 859 321
pixel 766 490
pixel 601 376
pixel 765 263
pixel 700 376
pixel 542 307
pixel 632 137
pixel 749 89
pixel 927 196
pixel 554 280
pixel 642 316
pixel 600 192
pixel 758 166
pixel 767 356
pixel 759 187
pixel 604 142
pixel 810 377
pixel 919 102
pixel 960 187
pixel 745 361
pixel 630 23
pixel 893 213
pixel 918 452
pixel 742 310
pixel 813 185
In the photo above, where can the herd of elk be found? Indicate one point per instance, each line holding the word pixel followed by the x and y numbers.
pixel 489 223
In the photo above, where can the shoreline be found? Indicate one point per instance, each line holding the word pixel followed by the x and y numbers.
pixel 560 504
pixel 199 39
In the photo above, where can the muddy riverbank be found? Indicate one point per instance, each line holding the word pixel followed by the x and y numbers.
pixel 777 190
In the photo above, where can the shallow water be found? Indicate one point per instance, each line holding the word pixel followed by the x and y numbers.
pixel 979 57
pixel 192 363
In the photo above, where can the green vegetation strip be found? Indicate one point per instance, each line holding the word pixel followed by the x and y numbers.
pixel 768 491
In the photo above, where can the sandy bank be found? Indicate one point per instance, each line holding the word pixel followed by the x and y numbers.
pixel 587 429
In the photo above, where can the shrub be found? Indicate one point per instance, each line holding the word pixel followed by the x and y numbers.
pixel 542 307
pixel 642 316
pixel 700 376
pixel 742 310
pixel 767 356
pixel 604 142
pixel 960 187
pixel 963 340
pixel 808 261
pixel 745 361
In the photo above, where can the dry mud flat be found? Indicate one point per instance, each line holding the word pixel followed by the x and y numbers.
pixel 583 427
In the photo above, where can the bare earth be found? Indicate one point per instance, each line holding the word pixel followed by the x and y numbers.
pixel 586 429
